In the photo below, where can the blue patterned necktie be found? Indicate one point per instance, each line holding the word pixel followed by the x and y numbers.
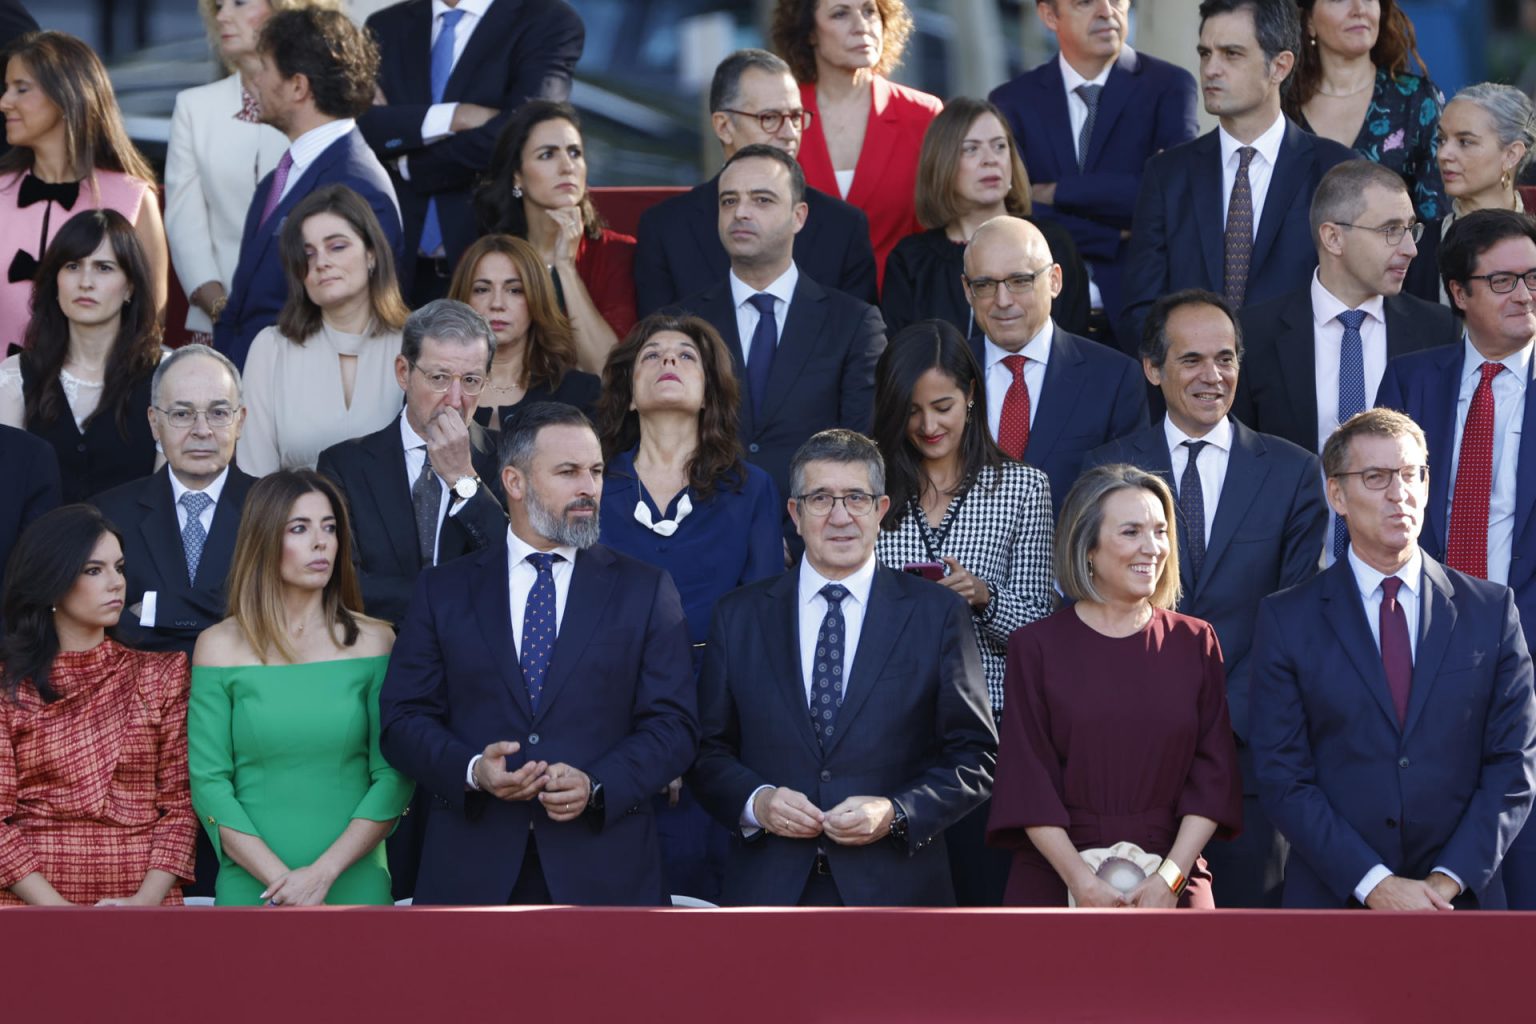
pixel 442 67
pixel 1192 507
pixel 193 536
pixel 1351 398
pixel 538 644
pixel 827 667
pixel 1090 97
pixel 765 339
pixel 1237 243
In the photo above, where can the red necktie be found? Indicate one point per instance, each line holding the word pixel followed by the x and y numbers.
pixel 1466 546
pixel 1013 424
pixel 1396 651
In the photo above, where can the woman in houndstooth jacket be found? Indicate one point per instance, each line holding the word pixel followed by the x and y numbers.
pixel 958 501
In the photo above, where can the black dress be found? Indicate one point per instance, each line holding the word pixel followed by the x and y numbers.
pixel 101 456
pixel 922 282
pixel 576 388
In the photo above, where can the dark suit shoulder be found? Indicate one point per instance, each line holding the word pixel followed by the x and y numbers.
pixel 1099 357
pixel 1425 362
pixel 1262 318
pixel 17 444
pixel 831 209
pixel 123 497
pixel 662 214
pixel 937 600
pixel 1471 589
pixel 343 452
pixel 1156 73
pixel 1285 453
pixel 396 16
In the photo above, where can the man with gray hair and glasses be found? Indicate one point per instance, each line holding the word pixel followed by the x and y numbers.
pixel 422 490
pixel 845 716
pixel 179 523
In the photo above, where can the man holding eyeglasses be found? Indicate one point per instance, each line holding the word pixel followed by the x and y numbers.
pixel 417 487
pixel 1316 356
pixel 1051 397
pixel 844 713
pixel 1475 402
pixel 1393 720
pixel 753 100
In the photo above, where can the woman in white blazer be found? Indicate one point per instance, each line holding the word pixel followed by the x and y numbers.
pixel 219 150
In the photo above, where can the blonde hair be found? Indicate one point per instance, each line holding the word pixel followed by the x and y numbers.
pixel 208 10
pixel 1082 519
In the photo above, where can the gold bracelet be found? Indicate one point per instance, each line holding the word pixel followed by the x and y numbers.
pixel 1169 872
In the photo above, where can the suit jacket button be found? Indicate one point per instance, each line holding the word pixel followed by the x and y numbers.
pixel 1403 763
pixel 754 448
pixel 1391 823
pixel 826 776
pixel 533 739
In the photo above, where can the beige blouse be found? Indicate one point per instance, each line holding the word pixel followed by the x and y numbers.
pixel 294 398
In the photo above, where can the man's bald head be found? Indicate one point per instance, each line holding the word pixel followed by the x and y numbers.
pixel 1010 280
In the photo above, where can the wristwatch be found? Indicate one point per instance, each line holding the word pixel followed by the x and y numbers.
pixel 594 798
pixel 466 486
pixel 898 830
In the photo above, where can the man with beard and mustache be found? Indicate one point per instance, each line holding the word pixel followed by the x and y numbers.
pixel 540 691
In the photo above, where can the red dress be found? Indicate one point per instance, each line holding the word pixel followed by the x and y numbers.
pixel 607 268
pixel 1113 739
pixel 885 177
pixel 93 786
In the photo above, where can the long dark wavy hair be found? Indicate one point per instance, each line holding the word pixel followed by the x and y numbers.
pixel 135 351
pixel 923 346
pixel 717 462
pixel 44 566
pixel 499 210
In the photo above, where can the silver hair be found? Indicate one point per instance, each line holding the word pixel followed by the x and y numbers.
pixel 446 320
pixel 185 352
pixel 1512 115
pixel 837 445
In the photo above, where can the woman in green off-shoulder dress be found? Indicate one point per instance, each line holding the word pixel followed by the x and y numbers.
pixel 283 726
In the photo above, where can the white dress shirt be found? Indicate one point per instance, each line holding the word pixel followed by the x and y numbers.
pixel 308 147
pixel 1211 465
pixel 812 610
pixel 1260 169
pixel 782 289
pixel 148 604
pixel 438 121
pixel 1077 116
pixel 1368 581
pixel 999 378
pixel 1509 390
pixel 415 457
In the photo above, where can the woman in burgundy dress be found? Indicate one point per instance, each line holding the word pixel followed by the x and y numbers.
pixel 1115 724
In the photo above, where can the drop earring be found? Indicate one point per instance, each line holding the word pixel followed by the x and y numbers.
pixel 517 192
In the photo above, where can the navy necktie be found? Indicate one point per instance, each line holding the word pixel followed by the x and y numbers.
pixel 827 666
pixel 1192 507
pixel 539 626
pixel 442 67
pixel 1351 398
pixel 765 339
pixel 193 536
pixel 1089 94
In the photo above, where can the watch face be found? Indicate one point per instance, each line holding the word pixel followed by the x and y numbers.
pixel 465 487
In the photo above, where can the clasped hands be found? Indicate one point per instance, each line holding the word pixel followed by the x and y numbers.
pixel 857 821
pixel 1398 893
pixel 562 790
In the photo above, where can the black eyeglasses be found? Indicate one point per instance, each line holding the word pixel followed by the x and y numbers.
pixel 820 503
pixel 1393 233
pixel 771 120
pixel 985 288
pixel 1377 478
pixel 1503 282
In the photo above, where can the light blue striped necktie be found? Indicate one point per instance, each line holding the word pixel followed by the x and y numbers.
pixel 1351 397
pixel 442 67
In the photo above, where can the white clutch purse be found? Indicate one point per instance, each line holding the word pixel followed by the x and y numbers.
pixel 1124 866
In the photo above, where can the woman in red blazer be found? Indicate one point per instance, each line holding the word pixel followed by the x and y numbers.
pixel 866 132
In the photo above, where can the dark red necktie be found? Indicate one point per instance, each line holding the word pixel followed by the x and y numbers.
pixel 1396 651
pixel 1466 545
pixel 1013 424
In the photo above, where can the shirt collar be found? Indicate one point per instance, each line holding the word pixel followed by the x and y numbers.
pixel 1037 348
pixel 317 140
pixel 1518 363
pixel 1071 79
pixel 1327 306
pixel 1369 580
pixel 213 490
pixel 1220 435
pixel 473 8
pixel 782 287
pixel 858 583
pixel 518 550
pixel 1267 144
pixel 408 437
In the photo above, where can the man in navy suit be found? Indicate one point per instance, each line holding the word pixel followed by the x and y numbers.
pixel 753 100
pixel 450 75
pixel 541 691
pixel 32 486
pixel 317 75
pixel 1394 726
pixel 845 714
pixel 1051 397
pixel 1250 522
pixel 1474 400
pixel 1085 124
pixel 1303 367
pixel 1228 211
pixel 805 354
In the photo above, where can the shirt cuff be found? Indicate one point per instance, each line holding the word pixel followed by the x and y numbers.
pixel 405 172
pixel 1372 879
pixel 749 822
pixel 147 608
pixel 1461 886
pixel 438 123
pixel 469 774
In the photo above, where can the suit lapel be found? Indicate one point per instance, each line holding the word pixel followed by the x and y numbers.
pixel 884 621
pixel 879 137
pixel 801 336
pixel 781 631
pixel 703 222
pixel 1059 394
pixel 1117 93
pixel 1437 618
pixel 390 488
pixel 717 307
pixel 1246 470
pixel 219 549
pixel 492 602
pixel 1296 351
pixel 1212 229
pixel 1054 107
pixel 1151 453
pixel 1525 466
pixel 1345 613
pixel 1290 170
pixel 482 46
pixel 160 530
pixel 1440 391
pixel 416 74
pixel 592 581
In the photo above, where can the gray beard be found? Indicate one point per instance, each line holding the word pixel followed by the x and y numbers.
pixel 565 532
